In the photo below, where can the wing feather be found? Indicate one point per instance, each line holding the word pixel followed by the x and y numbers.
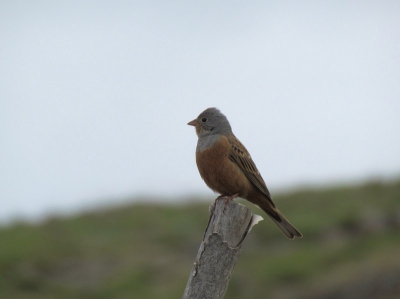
pixel 241 157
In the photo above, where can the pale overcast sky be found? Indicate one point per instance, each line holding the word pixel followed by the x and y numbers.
pixel 95 95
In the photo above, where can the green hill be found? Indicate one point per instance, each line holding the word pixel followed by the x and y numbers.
pixel 350 249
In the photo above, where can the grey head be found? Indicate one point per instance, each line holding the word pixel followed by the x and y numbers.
pixel 210 125
pixel 211 122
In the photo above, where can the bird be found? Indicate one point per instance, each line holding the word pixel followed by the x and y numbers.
pixel 227 168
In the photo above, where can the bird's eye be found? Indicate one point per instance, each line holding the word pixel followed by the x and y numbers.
pixel 204 119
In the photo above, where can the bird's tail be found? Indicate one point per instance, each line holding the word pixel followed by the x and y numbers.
pixel 286 227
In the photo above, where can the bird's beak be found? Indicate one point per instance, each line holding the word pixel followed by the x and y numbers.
pixel 193 123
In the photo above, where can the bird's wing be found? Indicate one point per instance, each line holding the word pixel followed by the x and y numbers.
pixel 241 157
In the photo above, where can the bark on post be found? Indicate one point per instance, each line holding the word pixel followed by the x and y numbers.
pixel 219 251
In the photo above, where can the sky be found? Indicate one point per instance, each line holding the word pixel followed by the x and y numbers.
pixel 95 96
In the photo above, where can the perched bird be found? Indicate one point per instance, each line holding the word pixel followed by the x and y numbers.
pixel 227 168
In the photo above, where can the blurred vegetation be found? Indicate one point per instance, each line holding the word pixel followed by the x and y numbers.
pixel 350 249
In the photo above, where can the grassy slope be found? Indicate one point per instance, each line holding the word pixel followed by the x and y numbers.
pixel 350 250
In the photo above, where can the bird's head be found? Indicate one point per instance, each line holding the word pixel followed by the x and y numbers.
pixel 211 122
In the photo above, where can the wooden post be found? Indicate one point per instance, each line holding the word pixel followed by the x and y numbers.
pixel 219 251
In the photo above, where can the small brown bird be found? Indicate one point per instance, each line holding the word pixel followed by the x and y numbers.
pixel 227 168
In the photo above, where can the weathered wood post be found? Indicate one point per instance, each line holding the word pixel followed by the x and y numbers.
pixel 219 251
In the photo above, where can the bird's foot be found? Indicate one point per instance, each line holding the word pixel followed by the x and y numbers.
pixel 228 199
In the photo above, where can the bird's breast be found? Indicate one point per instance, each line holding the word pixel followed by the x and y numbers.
pixel 219 172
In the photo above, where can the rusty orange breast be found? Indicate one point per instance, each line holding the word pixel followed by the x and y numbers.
pixel 219 172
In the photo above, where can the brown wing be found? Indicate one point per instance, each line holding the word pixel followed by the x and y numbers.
pixel 242 158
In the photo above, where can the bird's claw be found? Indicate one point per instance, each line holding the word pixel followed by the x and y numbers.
pixel 226 199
